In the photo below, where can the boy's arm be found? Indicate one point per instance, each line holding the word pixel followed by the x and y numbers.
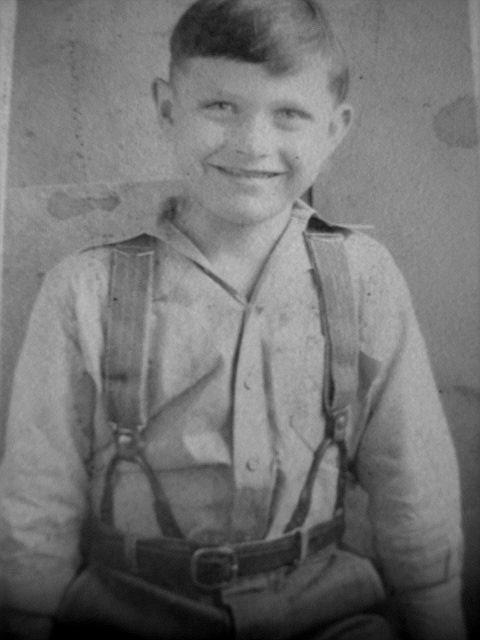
pixel 43 473
pixel 407 464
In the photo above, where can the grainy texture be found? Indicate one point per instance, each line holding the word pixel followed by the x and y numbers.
pixel 83 138
pixel 7 33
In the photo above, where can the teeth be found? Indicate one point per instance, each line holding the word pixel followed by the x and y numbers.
pixel 244 173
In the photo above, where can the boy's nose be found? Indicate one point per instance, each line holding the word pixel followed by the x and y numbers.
pixel 253 137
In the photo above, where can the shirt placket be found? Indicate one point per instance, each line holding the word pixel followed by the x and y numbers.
pixel 255 455
pixel 253 458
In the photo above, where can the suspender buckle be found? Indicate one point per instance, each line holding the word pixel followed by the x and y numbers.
pixel 213 567
pixel 129 442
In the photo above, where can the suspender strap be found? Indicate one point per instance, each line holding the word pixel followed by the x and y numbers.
pixel 128 326
pixel 126 368
pixel 325 245
pixel 339 318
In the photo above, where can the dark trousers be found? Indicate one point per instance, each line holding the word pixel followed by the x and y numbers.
pixel 331 597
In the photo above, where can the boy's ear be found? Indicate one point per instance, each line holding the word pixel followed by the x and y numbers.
pixel 162 96
pixel 340 123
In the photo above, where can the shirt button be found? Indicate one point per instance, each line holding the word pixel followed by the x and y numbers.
pixel 253 463
pixel 340 426
pixel 341 420
pixel 246 384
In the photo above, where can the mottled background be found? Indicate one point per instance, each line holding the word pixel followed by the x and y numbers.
pixel 87 164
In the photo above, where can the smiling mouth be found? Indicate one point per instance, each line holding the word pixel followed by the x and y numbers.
pixel 247 173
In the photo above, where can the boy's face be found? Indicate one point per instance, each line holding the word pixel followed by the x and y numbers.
pixel 248 144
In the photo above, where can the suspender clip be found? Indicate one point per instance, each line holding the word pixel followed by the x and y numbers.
pixel 129 442
pixel 340 421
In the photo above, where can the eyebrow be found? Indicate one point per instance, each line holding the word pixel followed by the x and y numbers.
pixel 218 94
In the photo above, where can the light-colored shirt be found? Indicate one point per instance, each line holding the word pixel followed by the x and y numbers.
pixel 235 414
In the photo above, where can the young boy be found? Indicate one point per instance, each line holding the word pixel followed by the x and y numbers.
pixel 227 412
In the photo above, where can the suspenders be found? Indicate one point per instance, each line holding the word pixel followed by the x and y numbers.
pixel 325 244
pixel 126 364
pixel 126 369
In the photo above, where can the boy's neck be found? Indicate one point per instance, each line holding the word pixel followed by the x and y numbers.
pixel 237 252
pixel 218 238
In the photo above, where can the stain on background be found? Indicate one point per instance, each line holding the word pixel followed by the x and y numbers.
pixel 455 124
pixel 62 206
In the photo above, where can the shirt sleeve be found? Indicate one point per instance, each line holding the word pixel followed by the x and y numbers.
pixel 406 461
pixel 43 476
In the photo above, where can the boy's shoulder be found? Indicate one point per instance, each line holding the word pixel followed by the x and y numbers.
pixel 85 270
pixel 364 253
pixel 85 273
pixel 380 291
pixel 367 255
pixel 87 260
pixel 94 259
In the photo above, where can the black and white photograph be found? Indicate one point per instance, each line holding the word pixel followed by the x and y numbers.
pixel 240 319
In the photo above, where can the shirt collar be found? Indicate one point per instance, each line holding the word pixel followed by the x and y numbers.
pixel 292 249
pixel 291 246
pixel 166 231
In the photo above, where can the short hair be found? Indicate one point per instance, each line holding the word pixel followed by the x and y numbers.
pixel 274 33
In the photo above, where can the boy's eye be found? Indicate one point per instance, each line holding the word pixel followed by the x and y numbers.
pixel 289 114
pixel 219 106
pixel 292 115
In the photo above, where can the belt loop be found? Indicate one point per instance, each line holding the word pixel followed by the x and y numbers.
pixel 130 547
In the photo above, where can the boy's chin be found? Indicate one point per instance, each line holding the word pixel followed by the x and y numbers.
pixel 250 213
pixel 249 217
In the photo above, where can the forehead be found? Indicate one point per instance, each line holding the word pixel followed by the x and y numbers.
pixel 202 76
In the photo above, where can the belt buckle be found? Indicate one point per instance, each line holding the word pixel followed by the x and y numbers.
pixel 213 567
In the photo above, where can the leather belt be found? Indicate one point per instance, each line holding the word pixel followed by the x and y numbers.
pixel 181 565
